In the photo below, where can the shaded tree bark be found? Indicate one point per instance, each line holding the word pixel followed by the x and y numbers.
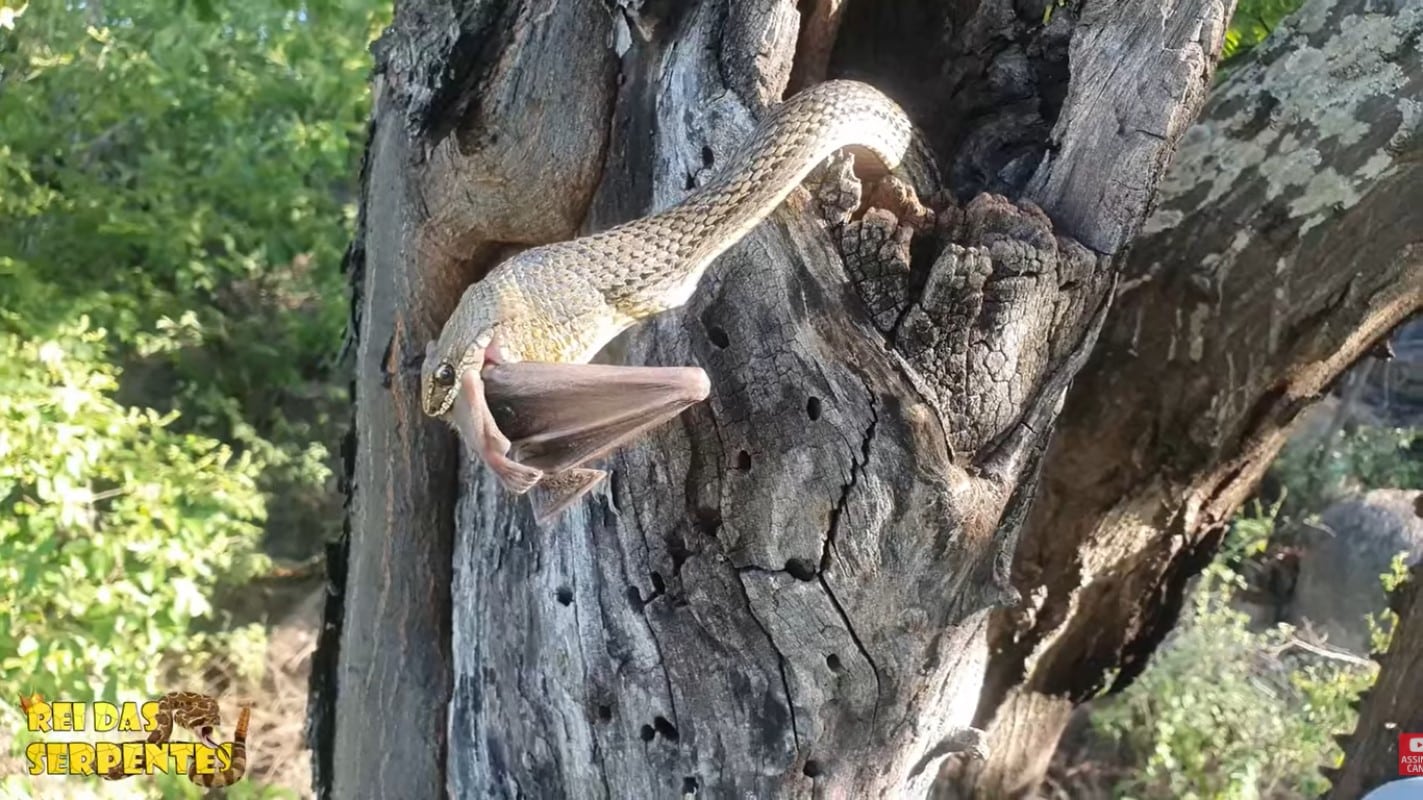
pixel 788 590
pixel 1285 246
pixel 1394 705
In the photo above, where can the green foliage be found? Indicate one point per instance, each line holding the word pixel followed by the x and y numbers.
pixel 1250 533
pixel 154 164
pixel 176 191
pixel 1227 713
pixel 1383 623
pixel 1351 462
pixel 1253 22
pixel 113 527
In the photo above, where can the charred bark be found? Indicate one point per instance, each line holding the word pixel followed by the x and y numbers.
pixel 1286 244
pixel 786 591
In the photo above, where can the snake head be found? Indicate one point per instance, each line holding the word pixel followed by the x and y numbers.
pixel 446 363
pixel 452 388
pixel 467 342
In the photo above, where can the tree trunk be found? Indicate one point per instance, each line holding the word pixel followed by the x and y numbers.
pixel 1393 706
pixel 1284 247
pixel 787 590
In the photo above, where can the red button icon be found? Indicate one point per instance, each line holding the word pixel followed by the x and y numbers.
pixel 1410 754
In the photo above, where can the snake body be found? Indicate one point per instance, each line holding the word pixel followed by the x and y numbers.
pixel 198 713
pixel 563 302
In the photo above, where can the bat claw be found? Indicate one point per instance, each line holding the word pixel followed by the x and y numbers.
pixel 517 478
pixel 560 490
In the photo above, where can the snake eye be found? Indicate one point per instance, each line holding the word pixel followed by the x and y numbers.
pixel 445 375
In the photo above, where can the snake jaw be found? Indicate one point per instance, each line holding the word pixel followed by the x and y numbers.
pixel 494 352
pixel 205 736
pixel 443 364
pixel 471 415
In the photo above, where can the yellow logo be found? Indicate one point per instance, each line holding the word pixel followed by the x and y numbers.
pixel 205 762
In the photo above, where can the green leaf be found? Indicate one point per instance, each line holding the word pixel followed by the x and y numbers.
pixel 176 195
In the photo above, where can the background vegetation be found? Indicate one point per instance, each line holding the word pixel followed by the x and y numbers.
pixel 1231 711
pixel 1233 708
pixel 176 190
pixel 1254 20
pixel 177 185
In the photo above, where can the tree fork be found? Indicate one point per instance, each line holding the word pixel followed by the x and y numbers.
pixel 1282 250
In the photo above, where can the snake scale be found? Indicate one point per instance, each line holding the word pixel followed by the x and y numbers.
pixel 198 713
pixel 563 302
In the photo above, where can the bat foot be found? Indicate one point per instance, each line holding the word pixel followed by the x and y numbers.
pixel 517 478
pixel 560 490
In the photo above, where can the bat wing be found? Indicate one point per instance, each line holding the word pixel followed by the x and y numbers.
pixel 558 416
pixel 559 490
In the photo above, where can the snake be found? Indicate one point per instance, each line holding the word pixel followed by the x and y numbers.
pixel 562 302
pixel 200 714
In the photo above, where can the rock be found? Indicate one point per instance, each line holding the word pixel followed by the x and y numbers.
pixel 1343 556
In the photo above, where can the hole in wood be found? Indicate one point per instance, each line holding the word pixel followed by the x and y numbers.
pixel 743 461
pixel 833 662
pixel 648 733
pixel 707 156
pixel 812 769
pixel 667 729
pixel 605 713
pixel 707 521
pixel 658 585
pixel 800 569
pixel 690 785
pixel 812 408
pixel 718 337
pixel 635 598
pixel 564 595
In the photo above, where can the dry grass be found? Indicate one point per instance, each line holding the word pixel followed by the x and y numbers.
pixel 276 741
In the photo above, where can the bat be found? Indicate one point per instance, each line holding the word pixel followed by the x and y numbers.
pixel 558 417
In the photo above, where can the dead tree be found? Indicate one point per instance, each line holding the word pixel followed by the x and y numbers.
pixel 788 590
pixel 1286 246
